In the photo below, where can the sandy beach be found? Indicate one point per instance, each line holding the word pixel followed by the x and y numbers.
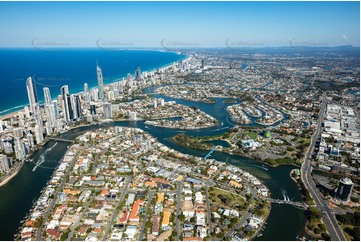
pixel 12 175
pixel 9 115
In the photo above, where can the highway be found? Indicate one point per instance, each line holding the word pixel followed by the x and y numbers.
pixel 329 219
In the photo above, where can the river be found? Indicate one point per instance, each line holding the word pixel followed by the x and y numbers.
pixel 284 223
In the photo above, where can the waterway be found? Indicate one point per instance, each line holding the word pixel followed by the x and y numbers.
pixel 284 223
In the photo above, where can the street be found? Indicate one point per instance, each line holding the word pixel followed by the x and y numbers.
pixel 329 219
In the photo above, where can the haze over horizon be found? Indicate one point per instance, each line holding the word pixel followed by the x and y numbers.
pixel 179 24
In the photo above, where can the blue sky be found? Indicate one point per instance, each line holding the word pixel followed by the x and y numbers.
pixel 205 24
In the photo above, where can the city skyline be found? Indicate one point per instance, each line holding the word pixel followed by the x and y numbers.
pixel 179 24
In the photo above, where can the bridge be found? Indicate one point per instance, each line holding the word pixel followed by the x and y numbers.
pixel 210 152
pixel 61 140
pixel 299 205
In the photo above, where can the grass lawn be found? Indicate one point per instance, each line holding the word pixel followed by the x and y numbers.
pixel 225 198
pixel 251 135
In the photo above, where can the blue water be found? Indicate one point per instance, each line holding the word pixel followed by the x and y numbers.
pixel 71 67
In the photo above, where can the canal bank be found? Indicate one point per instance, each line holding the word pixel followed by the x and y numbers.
pixel 18 195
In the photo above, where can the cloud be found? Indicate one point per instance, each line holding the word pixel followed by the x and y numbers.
pixel 344 37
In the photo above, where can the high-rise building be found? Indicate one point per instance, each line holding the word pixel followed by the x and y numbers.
pixel 8 148
pixel 137 74
pixel 18 133
pixel 100 82
pixel 344 189
pixel 30 139
pixel 56 109
pixel 76 106
pixel 27 112
pixel 65 103
pixel 73 106
pixel 39 136
pixel 49 107
pixel 19 149
pixel 47 96
pixel 86 88
pixel 92 109
pixel 87 97
pixel 4 163
pixel 21 119
pixel 48 128
pixel 32 94
pixel 107 110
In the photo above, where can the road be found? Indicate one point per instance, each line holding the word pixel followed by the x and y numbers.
pixel 76 224
pixel 145 218
pixel 60 188
pixel 329 219
pixel 178 212
pixel 115 214
pixel 241 222
pixel 210 229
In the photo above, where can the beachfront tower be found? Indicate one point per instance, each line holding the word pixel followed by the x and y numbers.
pixel 47 96
pixel 86 88
pixel 32 95
pixel 100 82
pixel 65 102
pixel 137 74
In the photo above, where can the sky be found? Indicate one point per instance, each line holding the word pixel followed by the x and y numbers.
pixel 178 24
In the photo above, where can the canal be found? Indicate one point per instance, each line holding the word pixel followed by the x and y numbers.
pixel 284 223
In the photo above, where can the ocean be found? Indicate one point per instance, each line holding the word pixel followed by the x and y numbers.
pixel 72 67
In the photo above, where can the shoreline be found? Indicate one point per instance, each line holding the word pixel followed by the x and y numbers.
pixel 4 182
pixel 17 109
pixel 235 153
pixel 15 113
pixel 259 230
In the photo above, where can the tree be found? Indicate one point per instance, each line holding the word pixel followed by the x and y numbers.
pixel 325 236
pixel 220 235
pixel 181 217
pixel 64 236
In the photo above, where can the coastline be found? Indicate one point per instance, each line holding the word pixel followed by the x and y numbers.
pixel 19 108
pixel 13 174
pixel 15 113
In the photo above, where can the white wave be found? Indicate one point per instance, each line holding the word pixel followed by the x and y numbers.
pixel 220 129
pixel 49 149
pixel 42 157
pixel 40 161
pixel 284 193
pixel 11 109
pixel 261 167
